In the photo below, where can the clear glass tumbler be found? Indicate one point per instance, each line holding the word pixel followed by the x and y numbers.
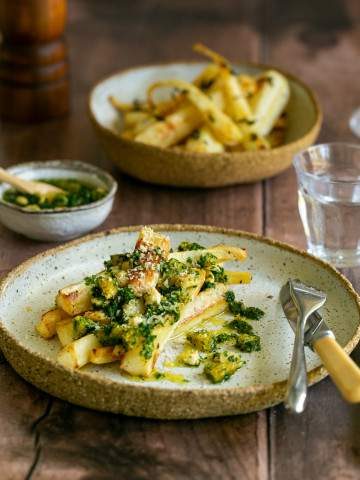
pixel 354 122
pixel 329 201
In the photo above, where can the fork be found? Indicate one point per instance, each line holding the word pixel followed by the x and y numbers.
pixel 307 300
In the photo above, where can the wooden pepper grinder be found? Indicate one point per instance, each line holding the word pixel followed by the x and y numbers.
pixel 34 81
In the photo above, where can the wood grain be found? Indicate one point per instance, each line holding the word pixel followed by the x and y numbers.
pixel 74 442
pixel 40 90
pixel 22 407
pixel 141 449
pixel 323 443
pixel 59 440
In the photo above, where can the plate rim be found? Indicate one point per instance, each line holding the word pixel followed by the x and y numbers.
pixel 269 394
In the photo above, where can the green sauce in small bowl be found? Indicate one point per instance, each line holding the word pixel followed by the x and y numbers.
pixel 75 194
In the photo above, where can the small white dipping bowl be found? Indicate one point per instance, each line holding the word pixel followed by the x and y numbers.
pixel 58 225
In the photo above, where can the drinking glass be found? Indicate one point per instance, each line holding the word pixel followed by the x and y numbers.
pixel 329 201
pixel 354 122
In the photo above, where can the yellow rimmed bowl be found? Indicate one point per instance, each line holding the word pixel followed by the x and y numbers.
pixel 167 166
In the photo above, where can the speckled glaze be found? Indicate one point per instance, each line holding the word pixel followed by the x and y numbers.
pixel 30 289
pixel 65 224
pixel 186 169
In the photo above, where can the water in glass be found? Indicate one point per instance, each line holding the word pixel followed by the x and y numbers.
pixel 329 202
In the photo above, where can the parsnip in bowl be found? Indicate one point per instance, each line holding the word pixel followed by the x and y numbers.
pixel 197 124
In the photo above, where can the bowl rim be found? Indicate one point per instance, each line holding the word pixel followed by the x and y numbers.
pixel 300 171
pixel 314 375
pixel 181 153
pixel 65 165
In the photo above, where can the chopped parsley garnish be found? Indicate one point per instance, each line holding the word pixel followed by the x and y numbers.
pixel 82 326
pixel 219 274
pixel 126 294
pixel 116 260
pixel 110 305
pixel 215 273
pixel 222 365
pixel 207 260
pixel 248 343
pixel 113 307
pixel 172 268
pixel 168 308
pixel 186 246
pixel 241 326
pixel 128 311
pixel 239 308
pixel 202 340
pixel 114 334
pixel 145 330
pixel 129 260
pixel 224 337
pixel 90 281
pixel 205 84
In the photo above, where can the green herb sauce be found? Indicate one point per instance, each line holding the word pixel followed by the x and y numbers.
pixel 75 194
pixel 238 308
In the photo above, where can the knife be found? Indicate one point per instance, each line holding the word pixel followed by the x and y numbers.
pixel 318 336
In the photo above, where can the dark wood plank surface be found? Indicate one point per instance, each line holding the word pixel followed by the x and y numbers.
pixel 45 438
pixel 324 51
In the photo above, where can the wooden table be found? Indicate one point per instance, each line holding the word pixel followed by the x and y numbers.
pixel 45 438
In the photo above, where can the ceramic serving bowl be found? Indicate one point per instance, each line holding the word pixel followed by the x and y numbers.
pixel 65 224
pixel 186 169
pixel 30 289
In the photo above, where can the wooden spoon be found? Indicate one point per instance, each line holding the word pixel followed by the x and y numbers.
pixel 41 189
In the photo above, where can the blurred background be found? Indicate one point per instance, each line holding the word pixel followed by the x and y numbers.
pixel 316 40
pixel 303 37
pixel 319 41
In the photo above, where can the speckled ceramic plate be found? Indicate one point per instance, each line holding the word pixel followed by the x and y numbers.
pixel 30 289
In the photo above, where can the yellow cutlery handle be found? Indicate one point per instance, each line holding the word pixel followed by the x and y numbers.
pixel 342 369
